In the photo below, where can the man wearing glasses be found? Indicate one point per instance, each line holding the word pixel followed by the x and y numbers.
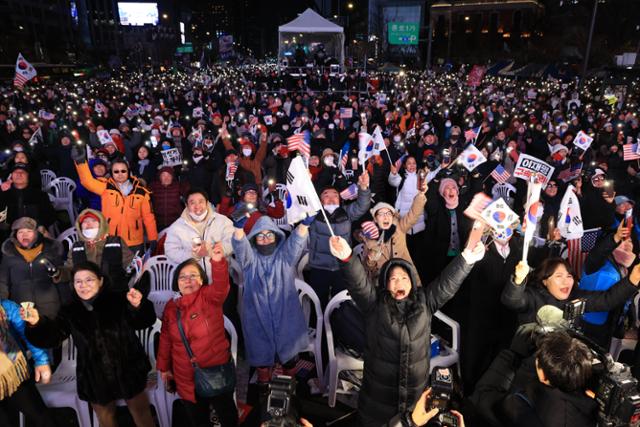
pixel 126 203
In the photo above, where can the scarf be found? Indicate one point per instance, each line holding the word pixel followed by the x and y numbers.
pixel 126 187
pixel 13 364
pixel 29 254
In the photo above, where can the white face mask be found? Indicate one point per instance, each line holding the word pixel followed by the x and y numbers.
pixel 336 121
pixel 90 233
pixel 200 217
pixel 397 138
pixel 285 127
pixel 328 161
pixel 331 208
pixel 246 152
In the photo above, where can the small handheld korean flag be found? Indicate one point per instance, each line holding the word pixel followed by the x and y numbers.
pixel 104 137
pixel 471 158
pixel 365 148
pixel 582 140
pixel 301 198
pixel 569 216
pixel 499 216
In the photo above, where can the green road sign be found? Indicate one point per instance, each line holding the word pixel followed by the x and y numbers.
pixel 403 32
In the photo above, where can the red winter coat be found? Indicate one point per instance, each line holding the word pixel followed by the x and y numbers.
pixel 203 324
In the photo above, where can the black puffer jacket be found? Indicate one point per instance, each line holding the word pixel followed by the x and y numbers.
pixel 22 281
pixel 396 355
pixel 527 300
pixel 111 361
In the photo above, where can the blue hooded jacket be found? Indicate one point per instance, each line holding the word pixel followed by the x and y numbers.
pixel 272 320
pixel 16 326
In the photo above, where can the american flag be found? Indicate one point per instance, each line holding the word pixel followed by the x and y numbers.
pixel 344 155
pixel 630 152
pixel 231 171
pixel 370 230
pixel 571 173
pixel 472 134
pixel 578 249
pixel 301 142
pixel 400 161
pixel 349 193
pixel 500 174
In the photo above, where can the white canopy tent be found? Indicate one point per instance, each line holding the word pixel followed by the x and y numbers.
pixel 308 29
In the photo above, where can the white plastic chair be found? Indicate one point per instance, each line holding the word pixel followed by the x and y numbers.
pixel 156 399
pixel 309 300
pixel 46 176
pixel 62 392
pixel 68 237
pixel 172 397
pixel 61 195
pixel 161 271
pixel 302 264
pixel 159 299
pixel 448 356
pixel 338 360
pixel 505 191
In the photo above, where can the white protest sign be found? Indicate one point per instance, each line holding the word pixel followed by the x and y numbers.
pixel 171 157
pixel 529 166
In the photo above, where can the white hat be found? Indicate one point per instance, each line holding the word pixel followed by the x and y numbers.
pixel 597 172
pixel 114 132
pixel 559 147
pixel 381 205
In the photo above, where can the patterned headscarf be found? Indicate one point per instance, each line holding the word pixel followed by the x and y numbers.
pixel 13 364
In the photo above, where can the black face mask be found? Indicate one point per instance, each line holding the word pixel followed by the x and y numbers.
pixel 266 249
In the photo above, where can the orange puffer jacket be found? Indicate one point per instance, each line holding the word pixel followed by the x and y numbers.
pixel 128 216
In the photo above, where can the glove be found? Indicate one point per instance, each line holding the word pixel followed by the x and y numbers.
pixel 471 256
pixel 79 153
pixel 153 244
pixel 240 222
pixel 340 248
pixel 308 220
pixel 52 270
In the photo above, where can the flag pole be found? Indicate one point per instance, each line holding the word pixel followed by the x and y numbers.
pixel 324 214
pixel 388 155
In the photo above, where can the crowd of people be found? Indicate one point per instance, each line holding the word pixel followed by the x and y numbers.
pixel 194 166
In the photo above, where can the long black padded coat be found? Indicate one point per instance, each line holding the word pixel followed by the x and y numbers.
pixel 111 362
pixel 397 350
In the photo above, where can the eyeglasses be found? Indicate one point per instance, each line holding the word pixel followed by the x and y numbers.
pixel 90 281
pixel 551 184
pixel 188 277
pixel 598 178
pixel 120 171
pixel 265 236
pixel 384 213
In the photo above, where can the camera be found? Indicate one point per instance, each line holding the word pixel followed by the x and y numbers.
pixel 441 391
pixel 614 388
pixel 617 396
pixel 281 402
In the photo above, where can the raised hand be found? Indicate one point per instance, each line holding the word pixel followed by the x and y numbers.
pixel 79 153
pixel 339 248
pixel 522 271
pixel 134 297
pixel 30 316
pixel 622 233
pixel 217 252
pixel 363 180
